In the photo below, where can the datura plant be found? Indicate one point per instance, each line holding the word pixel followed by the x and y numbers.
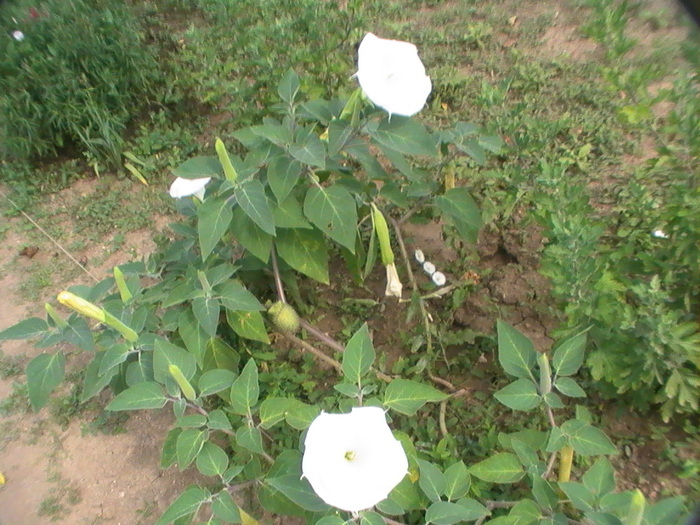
pixel 196 328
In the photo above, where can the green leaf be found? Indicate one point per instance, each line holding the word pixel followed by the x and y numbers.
pixel 305 251
pixel 553 400
pixel 214 381
pixel 115 355
pixel 516 353
pixel 520 395
pixel 333 211
pixel 588 440
pixel 406 495
pixel 526 454
pixel 581 498
pixel 458 204
pixel 250 438
pixel 94 381
pixel 406 396
pixel 667 510
pixel 78 332
pixel 24 329
pixel 371 518
pixel 212 460
pixel 245 390
pixel 219 354
pixel 138 397
pixel 188 503
pixel 457 481
pixel 251 236
pixel 431 480
pixel 250 325
pixel 331 520
pixel 299 491
pixel 569 387
pixel 603 518
pixel 168 454
pixel 206 310
pixel 600 478
pixel 225 508
pixel 300 415
pixel 358 356
pixel 234 296
pixel 312 152
pixel 503 467
pixel 218 420
pixel 405 135
pixel 288 214
pixel 214 216
pixel 44 373
pixel 527 511
pixel 282 175
pixel 193 336
pixel 166 354
pixel 199 168
pixel 568 356
pixel 475 510
pixel 251 197
pixel 288 86
pixel 446 513
pixel 189 444
pixel 544 493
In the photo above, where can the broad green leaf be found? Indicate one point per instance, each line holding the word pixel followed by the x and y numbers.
pixel 300 415
pixel 275 409
pixel 446 513
pixel 206 310
pixel 199 168
pixel 250 195
pixel 667 510
pixel 581 498
pixel 358 356
pixel 331 520
pixel 24 329
pixel 192 334
pixel 311 151
pixel 212 460
pixel 568 356
pixel 250 438
pixel 225 508
pixel 282 175
pixel 168 454
pixel 78 333
pixel 186 504
pixel 527 511
pixel 475 510
pixel 405 135
pixel 215 216
pixel 333 211
pixel 166 354
pixel 115 355
pixel 569 387
pixel 220 354
pixel 245 390
pixel 603 518
pixel 299 491
pixel 248 324
pixel 406 396
pixel 544 493
pixel 503 467
pixel 590 441
pixel 600 478
pixel 457 481
pixel 431 480
pixel 44 373
pixel 535 439
pixel 520 395
pixel 305 251
pixel 526 454
pixel 289 86
pixel 192 421
pixel 218 420
pixel 289 214
pixel 406 494
pixel 138 397
pixel 371 518
pixel 278 134
pixel 516 353
pixel 251 236
pixel 553 400
pixel 189 444
pixel 390 507
pixel 214 381
pixel 94 382
pixel 234 296
pixel 461 208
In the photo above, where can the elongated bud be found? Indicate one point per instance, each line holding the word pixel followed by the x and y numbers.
pixel 128 334
pixel 545 374
pixel 60 321
pixel 124 291
pixel 225 160
pixel 635 514
pixel 449 176
pixel 382 231
pixel 351 111
pixel 182 382
pixel 81 306
pixel 566 460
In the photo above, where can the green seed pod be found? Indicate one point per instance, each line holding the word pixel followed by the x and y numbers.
pixel 182 382
pixel 225 161
pixel 284 317
pixel 382 230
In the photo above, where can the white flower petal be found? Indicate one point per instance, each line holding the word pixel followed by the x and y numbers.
pixel 18 35
pixel 420 256
pixel 353 461
pixel 429 267
pixel 392 75
pixel 186 187
pixel 393 283
pixel 659 234
pixel 439 278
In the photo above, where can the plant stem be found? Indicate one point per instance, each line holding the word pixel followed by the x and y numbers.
pixel 324 338
pixel 276 273
pixel 313 350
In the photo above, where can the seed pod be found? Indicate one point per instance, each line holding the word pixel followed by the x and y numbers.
pixel 225 160
pixel 182 382
pixel 284 317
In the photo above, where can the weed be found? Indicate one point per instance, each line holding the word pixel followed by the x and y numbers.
pixel 17 402
pixel 10 366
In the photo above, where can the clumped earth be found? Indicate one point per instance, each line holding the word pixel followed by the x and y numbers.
pixel 75 465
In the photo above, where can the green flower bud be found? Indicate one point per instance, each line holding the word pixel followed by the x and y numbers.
pixel 225 161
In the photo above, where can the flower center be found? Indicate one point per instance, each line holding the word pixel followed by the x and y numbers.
pixel 350 455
